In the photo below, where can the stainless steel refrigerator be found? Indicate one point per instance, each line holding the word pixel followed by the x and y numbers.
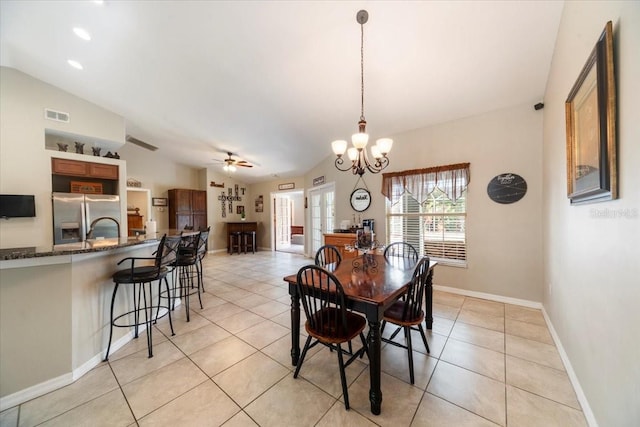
pixel 74 215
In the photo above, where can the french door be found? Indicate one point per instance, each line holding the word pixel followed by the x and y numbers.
pixel 322 214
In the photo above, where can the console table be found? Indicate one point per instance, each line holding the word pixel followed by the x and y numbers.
pixel 241 227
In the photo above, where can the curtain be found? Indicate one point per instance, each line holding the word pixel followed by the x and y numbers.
pixel 450 179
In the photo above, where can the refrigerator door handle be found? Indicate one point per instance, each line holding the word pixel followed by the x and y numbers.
pixel 85 218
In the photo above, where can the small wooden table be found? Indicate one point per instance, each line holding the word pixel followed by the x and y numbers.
pixel 240 227
pixel 369 290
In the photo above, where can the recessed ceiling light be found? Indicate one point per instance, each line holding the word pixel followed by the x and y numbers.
pixel 75 64
pixel 99 2
pixel 82 33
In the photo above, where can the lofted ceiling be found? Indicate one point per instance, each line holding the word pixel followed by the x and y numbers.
pixel 275 82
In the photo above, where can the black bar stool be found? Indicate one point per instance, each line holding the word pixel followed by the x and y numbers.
pixel 235 242
pixel 249 241
pixel 141 278
pixel 186 278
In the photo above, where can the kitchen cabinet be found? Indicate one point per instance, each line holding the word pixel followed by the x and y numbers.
pixel 187 208
pixel 83 169
pixel 339 240
pixel 134 222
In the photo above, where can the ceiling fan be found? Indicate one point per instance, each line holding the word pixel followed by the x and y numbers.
pixel 230 163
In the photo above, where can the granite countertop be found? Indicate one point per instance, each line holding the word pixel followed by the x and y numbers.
pixel 91 245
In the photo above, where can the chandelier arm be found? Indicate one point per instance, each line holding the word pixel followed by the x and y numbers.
pixel 339 161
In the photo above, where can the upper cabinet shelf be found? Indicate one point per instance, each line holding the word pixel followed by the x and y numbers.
pixel 81 144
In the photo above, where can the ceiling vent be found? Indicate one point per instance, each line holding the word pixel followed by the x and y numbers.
pixel 141 143
pixel 57 116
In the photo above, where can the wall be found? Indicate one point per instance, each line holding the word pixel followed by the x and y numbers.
pixel 218 234
pixel 25 165
pixel 591 252
pixel 159 175
pixel 504 241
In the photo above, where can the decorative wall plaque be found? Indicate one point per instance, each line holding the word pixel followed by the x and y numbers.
pixel 507 188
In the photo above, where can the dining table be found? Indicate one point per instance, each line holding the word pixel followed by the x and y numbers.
pixel 371 284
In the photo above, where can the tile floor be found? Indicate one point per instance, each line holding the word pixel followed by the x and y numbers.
pixel 490 364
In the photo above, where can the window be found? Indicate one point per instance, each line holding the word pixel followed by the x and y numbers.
pixel 435 226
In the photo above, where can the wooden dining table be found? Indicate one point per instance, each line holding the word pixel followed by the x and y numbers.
pixel 371 284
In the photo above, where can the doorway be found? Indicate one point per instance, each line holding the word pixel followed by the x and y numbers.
pixel 288 222
pixel 138 204
pixel 322 214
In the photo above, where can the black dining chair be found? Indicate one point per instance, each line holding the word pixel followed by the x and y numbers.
pixel 408 314
pixel 328 320
pixel 142 271
pixel 328 256
pixel 401 250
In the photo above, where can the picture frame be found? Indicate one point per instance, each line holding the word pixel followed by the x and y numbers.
pixel 287 186
pixel 590 112
pixel 159 201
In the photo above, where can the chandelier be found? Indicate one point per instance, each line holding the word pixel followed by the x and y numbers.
pixel 357 154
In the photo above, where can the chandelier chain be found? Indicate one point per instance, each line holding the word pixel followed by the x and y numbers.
pixel 361 71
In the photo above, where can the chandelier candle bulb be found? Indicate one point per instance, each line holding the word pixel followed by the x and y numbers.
pixel 339 147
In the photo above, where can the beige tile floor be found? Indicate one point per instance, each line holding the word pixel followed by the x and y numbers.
pixel 490 364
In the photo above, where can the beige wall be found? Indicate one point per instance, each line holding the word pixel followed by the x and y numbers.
pixel 25 165
pixel 592 285
pixel 504 241
pixel 159 175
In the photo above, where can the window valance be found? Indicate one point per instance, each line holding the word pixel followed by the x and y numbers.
pixel 450 179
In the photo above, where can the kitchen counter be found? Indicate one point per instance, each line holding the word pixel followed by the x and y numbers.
pixel 54 311
pixel 91 245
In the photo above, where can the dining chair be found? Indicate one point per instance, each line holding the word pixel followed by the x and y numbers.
pixel 328 256
pixel 328 320
pixel 407 314
pixel 142 271
pixel 401 250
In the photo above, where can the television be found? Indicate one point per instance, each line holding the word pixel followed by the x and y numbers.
pixel 17 206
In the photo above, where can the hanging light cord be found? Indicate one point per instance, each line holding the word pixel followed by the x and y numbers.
pixel 361 71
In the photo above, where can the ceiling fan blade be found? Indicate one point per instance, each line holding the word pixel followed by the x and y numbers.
pixel 244 165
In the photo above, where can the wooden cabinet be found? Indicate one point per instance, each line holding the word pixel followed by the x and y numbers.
pixel 68 167
pixel 339 240
pixel 134 222
pixel 99 170
pixel 83 169
pixel 187 208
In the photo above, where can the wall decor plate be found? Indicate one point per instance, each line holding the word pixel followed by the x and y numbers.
pixel 360 199
pixel 507 188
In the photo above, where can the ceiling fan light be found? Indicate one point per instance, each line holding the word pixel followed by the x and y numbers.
pixel 384 145
pixel 360 139
pixel 339 147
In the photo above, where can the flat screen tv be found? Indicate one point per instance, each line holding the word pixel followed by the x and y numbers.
pixel 17 206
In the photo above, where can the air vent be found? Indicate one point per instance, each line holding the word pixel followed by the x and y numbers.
pixel 141 143
pixel 57 116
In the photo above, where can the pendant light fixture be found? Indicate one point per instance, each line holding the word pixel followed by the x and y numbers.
pixel 358 154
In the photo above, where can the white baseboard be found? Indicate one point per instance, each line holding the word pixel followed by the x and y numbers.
pixel 586 409
pixel 34 391
pixel 490 297
pixel 584 403
pixel 45 387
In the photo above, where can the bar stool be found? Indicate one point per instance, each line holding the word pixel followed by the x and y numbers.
pixel 249 241
pixel 186 278
pixel 235 242
pixel 141 278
